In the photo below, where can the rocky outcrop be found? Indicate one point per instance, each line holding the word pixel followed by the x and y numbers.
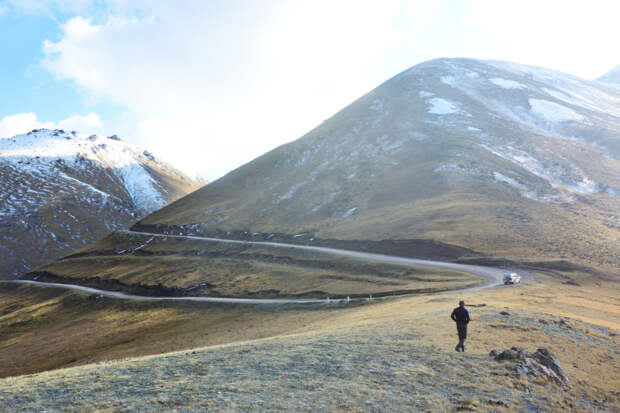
pixel 542 362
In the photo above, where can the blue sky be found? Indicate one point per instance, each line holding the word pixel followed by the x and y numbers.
pixel 210 85
pixel 29 87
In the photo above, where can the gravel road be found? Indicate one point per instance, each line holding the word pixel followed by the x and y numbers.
pixel 492 276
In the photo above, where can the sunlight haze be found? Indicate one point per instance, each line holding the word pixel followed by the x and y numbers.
pixel 209 88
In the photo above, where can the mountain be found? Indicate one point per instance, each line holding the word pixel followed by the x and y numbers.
pixel 511 161
pixel 453 159
pixel 61 190
pixel 611 77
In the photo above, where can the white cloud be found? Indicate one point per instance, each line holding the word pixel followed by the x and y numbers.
pixel 20 123
pixel 24 122
pixel 88 123
pixel 571 36
pixel 216 85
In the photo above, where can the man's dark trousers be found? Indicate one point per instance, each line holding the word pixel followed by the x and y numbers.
pixel 461 328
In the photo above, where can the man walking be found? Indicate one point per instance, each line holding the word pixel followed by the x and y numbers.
pixel 461 316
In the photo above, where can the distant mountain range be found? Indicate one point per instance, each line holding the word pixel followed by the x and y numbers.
pixel 611 77
pixel 61 190
pixel 508 160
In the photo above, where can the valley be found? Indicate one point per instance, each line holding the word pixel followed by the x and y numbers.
pixel 90 325
pixel 177 266
pixel 321 275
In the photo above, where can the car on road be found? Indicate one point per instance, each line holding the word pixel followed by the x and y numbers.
pixel 512 278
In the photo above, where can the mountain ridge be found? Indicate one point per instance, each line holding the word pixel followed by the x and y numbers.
pixel 63 190
pixel 611 77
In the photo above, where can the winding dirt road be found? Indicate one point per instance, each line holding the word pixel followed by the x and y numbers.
pixel 492 276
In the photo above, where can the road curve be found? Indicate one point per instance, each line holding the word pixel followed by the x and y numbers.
pixel 492 276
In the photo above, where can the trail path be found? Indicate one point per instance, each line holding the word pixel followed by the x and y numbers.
pixel 492 276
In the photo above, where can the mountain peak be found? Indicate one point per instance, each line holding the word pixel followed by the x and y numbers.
pixel 421 149
pixel 64 189
pixel 613 76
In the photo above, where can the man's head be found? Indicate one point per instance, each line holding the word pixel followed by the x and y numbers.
pixel 461 303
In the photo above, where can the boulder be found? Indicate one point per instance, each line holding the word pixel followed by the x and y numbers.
pixel 515 353
pixel 541 362
pixel 550 366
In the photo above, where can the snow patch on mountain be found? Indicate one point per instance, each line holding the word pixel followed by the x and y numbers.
pixel 560 96
pixel 564 178
pixel 376 105
pixel 141 187
pixel 441 106
pixel 86 185
pixel 344 214
pixel 42 151
pixel 523 190
pixel 580 92
pixel 290 193
pixel 553 112
pixel 507 84
pixel 448 80
pixel 612 77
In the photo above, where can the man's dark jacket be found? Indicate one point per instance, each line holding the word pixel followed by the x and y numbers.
pixel 461 316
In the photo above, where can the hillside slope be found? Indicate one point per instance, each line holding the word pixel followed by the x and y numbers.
pixel 395 355
pixel 62 190
pixel 611 77
pixel 504 159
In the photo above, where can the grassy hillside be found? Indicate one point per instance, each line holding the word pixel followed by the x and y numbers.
pixel 47 328
pixel 179 266
pixel 449 161
pixel 394 355
pixel 489 172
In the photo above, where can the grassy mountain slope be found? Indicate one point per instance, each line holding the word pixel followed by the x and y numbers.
pixel 386 356
pixel 507 160
pixel 491 158
pixel 176 266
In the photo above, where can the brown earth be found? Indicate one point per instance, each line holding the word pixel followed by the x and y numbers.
pixel 387 355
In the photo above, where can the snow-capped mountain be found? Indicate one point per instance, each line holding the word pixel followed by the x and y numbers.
pixel 611 77
pixel 506 159
pixel 61 190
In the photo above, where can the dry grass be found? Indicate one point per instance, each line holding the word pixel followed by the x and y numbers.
pixel 44 328
pixel 393 355
pixel 246 270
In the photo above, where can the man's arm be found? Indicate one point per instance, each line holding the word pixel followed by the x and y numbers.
pixel 453 315
pixel 468 319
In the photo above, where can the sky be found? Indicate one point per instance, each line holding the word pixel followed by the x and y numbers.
pixel 210 85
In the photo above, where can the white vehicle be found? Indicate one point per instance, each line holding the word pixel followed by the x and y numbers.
pixel 512 278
